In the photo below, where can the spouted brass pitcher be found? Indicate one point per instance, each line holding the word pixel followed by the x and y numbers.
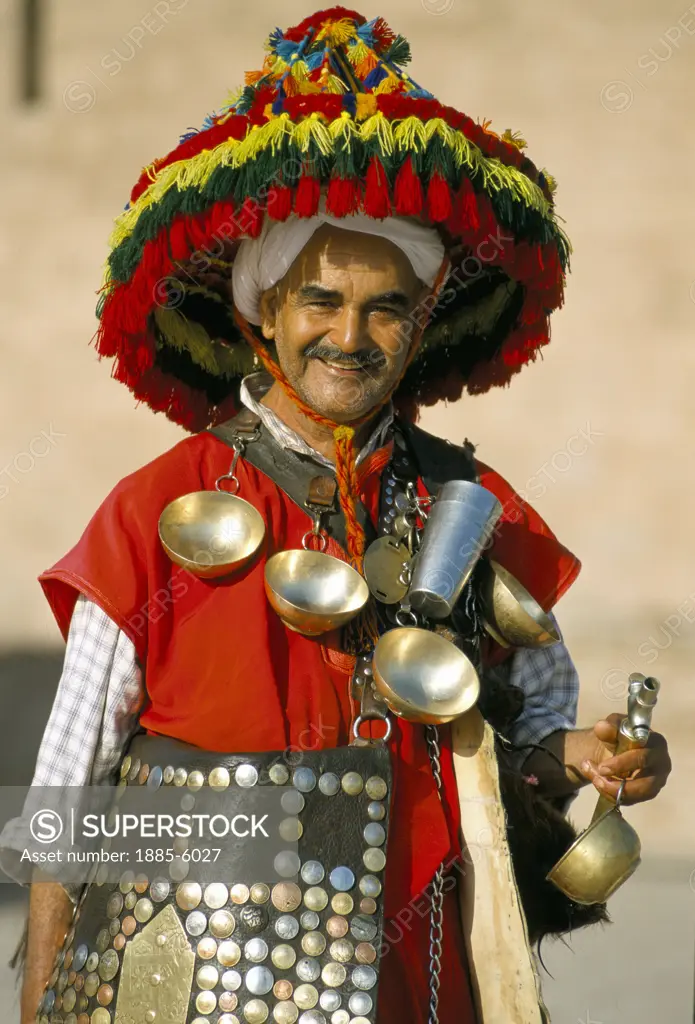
pixel 608 851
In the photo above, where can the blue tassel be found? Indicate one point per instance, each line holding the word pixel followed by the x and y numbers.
pixel 315 60
pixel 350 103
pixel 376 75
pixel 366 32
pixel 419 94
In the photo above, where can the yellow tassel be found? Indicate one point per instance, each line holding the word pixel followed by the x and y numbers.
pixel 187 336
pixel 333 84
pixel 552 182
pixel 514 139
pixel 365 105
pixel 380 126
pixel 338 32
pixel 388 84
pixel 357 53
pixel 312 129
pixel 299 71
pixel 437 126
pixel 409 134
pixel 266 136
pixel 343 130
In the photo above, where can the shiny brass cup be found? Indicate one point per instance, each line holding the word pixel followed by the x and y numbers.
pixel 423 677
pixel 599 860
pixel 509 613
pixel 211 533
pixel 312 592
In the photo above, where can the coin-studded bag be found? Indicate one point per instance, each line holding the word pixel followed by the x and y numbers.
pixel 154 950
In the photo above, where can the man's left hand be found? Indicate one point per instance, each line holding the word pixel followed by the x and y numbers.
pixel 647 768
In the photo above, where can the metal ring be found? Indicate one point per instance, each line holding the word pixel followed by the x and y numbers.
pixel 372 718
pixel 227 490
pixel 619 797
pixel 407 612
pixel 319 537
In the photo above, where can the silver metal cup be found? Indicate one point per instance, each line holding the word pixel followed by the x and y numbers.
pixel 455 536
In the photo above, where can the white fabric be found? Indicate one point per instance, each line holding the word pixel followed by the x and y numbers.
pixel 262 262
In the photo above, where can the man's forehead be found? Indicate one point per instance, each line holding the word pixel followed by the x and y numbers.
pixel 357 253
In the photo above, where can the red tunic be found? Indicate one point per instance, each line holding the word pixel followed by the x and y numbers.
pixel 222 672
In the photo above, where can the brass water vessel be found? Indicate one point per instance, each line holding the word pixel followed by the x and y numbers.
pixel 313 592
pixel 510 615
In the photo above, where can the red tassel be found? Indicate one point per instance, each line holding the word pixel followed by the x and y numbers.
pixel 533 308
pixel 466 215
pixel 438 198
pixel 250 218
pixel 306 200
pixel 408 194
pixel 178 240
pixel 343 196
pixel 377 202
pixel 196 231
pixel 279 205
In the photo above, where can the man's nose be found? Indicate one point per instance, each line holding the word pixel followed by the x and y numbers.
pixel 349 329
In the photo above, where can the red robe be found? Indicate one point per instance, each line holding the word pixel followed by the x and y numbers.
pixel 222 672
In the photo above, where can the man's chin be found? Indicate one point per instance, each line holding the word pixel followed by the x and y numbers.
pixel 343 398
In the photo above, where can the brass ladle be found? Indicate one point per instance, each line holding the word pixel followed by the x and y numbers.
pixel 212 533
pixel 510 615
pixel 604 856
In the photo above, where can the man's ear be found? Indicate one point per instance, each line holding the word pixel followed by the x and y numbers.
pixel 268 308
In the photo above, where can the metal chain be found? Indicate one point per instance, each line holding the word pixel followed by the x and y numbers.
pixel 437 898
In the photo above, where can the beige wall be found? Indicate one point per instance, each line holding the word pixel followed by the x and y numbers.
pixel 607 118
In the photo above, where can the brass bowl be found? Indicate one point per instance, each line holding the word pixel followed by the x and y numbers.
pixel 312 592
pixel 599 860
pixel 211 533
pixel 423 677
pixel 510 615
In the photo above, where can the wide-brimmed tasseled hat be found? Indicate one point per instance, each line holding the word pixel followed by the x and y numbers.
pixel 331 118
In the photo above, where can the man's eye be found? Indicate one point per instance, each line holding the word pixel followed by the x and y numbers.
pixel 388 310
pixel 322 304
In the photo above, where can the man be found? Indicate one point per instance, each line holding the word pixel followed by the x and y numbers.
pixel 352 210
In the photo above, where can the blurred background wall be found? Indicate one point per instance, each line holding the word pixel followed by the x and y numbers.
pixel 603 94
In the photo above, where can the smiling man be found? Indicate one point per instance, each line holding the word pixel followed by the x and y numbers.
pixel 349 213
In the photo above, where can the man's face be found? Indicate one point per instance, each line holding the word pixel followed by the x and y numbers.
pixel 340 321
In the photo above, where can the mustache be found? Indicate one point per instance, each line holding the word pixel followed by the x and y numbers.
pixel 366 359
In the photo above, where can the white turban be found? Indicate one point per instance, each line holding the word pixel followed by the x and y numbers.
pixel 262 262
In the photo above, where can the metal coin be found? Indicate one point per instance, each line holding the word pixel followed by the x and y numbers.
pixel 229 955
pixel 134 769
pixel 283 956
pixel 254 918
pixel 168 774
pixel 329 999
pixel 239 893
pixel 256 1011
pixel 312 872
pixel 312 1017
pixel 256 950
pixel 189 895
pixel 108 965
pixel 352 783
pixel 155 778
pixel 231 980
pixel 374 860
pixel 81 953
pixel 62 981
pixel 329 784
pixel 283 989
pixel 196 923
pixel 363 929
pixel 337 927
pixel 340 1017
pixel 219 779
pixel 207 977
pixel 292 802
pixel 246 776
pixel 313 943
pixel 206 948
pixel 384 562
pixel 205 1002
pixel 71 1018
pixel 160 889
pixel 227 1001
pixel 221 924
pixel 118 944
pixel 305 996
pixel 287 864
pixel 216 895
pixel 101 1016
pixel 91 984
pixel 290 830
pixel 114 906
pixel 376 811
pixel 286 896
pixel 67 962
pixel 104 995
pixel 143 774
pixel 130 900
pixel 70 998
pixel 376 787
pixel 259 981
pixel 103 940
pixel 226 1018
pixel 125 765
pixel 364 977
pixel 309 920
pixel 365 953
pixel 370 886
pixel 178 869
pixel 141 884
pixel 259 893
pixel 285 1013
pixel 287 927
pixel 341 950
pixel 278 774
pixel 342 903
pixel 79 982
pixel 333 975
pixel 316 898
pixel 180 776
pixel 304 780
pixel 92 962
pixel 368 905
pixel 374 834
pixel 342 878
pixel 196 780
pixel 144 910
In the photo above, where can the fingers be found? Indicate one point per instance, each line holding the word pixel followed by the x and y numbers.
pixel 645 768
pixel 606 730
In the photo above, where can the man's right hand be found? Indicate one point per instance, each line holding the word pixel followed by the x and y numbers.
pixel 50 914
